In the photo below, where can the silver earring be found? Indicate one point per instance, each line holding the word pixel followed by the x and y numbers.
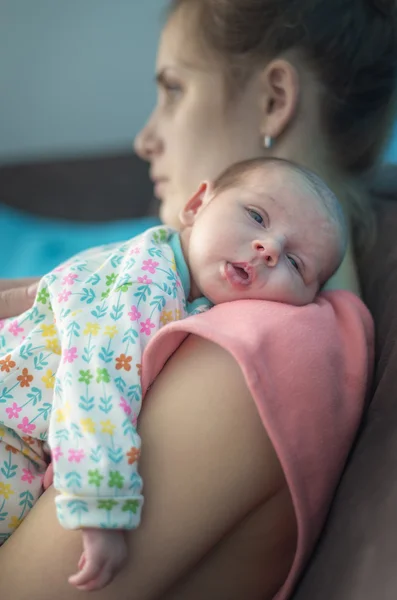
pixel 268 141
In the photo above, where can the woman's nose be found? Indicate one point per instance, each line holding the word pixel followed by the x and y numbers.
pixel 147 143
pixel 268 250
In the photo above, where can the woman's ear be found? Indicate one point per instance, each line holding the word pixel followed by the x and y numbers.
pixel 280 97
pixel 191 209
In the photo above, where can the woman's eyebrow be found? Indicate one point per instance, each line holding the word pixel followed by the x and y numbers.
pixel 182 63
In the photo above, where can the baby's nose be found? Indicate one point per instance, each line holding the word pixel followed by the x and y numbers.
pixel 269 251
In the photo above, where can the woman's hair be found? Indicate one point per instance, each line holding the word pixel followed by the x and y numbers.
pixel 349 45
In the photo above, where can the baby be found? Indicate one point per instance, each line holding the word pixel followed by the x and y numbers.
pixel 70 366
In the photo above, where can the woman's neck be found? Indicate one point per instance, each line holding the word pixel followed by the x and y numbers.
pixel 346 277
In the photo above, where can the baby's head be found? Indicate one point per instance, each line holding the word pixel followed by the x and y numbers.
pixel 265 229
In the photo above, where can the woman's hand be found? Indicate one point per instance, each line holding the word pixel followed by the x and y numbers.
pixel 16 296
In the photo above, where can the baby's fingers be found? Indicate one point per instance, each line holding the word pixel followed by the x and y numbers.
pixel 105 576
pixel 89 571
pixel 81 562
pixel 107 573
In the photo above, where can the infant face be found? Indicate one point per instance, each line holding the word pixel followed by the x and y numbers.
pixel 269 237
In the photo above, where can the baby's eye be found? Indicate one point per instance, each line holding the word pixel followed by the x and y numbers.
pixel 255 215
pixel 293 262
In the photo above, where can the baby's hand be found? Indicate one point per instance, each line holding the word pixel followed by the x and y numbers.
pixel 104 552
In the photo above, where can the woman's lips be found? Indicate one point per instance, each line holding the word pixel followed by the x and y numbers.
pixel 158 183
pixel 239 274
pixel 159 187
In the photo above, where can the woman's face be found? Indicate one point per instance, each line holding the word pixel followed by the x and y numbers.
pixel 193 133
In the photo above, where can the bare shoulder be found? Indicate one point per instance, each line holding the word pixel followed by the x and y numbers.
pixel 202 393
pixel 222 439
pixel 214 489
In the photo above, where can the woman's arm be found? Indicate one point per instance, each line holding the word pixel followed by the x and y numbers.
pixel 251 562
pixel 208 468
pixel 16 296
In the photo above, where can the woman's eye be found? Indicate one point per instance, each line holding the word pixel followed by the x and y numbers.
pixel 293 262
pixel 169 92
pixel 256 216
pixel 172 89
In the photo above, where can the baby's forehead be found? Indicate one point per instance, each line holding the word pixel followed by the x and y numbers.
pixel 269 175
pixel 284 186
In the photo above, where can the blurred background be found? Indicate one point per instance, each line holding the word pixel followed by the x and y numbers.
pixel 76 84
pixel 76 76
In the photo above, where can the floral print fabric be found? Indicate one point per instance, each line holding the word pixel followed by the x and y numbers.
pixel 70 373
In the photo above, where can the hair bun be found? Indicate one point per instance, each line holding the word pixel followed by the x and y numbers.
pixel 386 7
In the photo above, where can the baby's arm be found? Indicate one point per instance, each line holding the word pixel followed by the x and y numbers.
pixel 93 439
pixel 104 553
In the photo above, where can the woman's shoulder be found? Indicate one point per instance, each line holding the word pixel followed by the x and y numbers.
pixel 259 333
pixel 245 325
pixel 307 370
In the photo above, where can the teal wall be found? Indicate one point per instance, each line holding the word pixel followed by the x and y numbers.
pixel 75 75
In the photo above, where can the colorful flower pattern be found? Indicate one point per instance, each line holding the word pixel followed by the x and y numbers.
pixel 70 372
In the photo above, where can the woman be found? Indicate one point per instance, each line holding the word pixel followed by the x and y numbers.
pixel 308 81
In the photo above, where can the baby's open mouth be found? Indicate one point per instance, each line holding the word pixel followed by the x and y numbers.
pixel 239 274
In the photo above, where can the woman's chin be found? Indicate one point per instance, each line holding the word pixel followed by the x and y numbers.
pixel 169 216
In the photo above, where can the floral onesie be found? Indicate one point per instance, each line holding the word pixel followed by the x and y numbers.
pixel 70 375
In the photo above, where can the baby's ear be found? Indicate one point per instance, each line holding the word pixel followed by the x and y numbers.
pixel 191 209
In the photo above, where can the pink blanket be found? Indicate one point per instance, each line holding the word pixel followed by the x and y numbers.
pixel 308 369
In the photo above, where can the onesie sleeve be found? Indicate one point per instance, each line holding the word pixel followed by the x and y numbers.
pixel 95 445
pixel 97 397
pixel 107 306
